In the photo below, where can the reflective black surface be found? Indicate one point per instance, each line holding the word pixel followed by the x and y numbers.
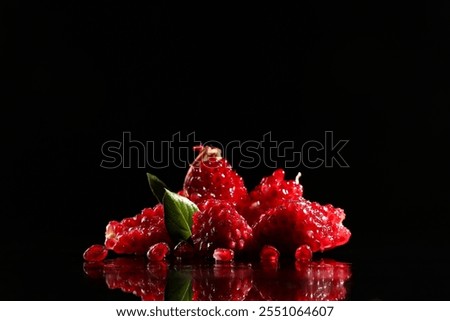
pixel 156 281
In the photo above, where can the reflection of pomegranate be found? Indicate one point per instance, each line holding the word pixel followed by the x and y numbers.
pixel 222 282
pixel 324 280
pixel 132 275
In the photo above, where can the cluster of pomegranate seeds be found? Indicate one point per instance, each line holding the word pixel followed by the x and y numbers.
pixel 211 177
pixel 135 235
pixel 214 216
pixel 271 192
pixel 293 224
pixel 218 224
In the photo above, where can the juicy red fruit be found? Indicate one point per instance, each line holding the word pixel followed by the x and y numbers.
pixel 212 176
pixel 135 235
pixel 158 251
pixel 272 191
pixel 273 219
pixel 95 253
pixel 303 222
pixel 217 224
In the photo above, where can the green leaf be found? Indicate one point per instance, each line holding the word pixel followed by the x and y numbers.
pixel 178 211
pixel 178 286
pixel 157 186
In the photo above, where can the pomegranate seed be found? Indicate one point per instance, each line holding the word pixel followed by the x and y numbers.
pixel 303 253
pixel 158 251
pixel 95 253
pixel 224 255
pixel 183 250
pixel 269 254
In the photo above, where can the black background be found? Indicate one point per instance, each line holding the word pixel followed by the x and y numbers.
pixel 374 74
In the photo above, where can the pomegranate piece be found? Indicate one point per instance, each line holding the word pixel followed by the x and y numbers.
pixel 135 235
pixel 95 253
pixel 223 255
pixel 217 224
pixel 302 222
pixel 272 191
pixel 212 176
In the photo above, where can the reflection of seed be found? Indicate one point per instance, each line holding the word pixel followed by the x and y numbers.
pixel 93 269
